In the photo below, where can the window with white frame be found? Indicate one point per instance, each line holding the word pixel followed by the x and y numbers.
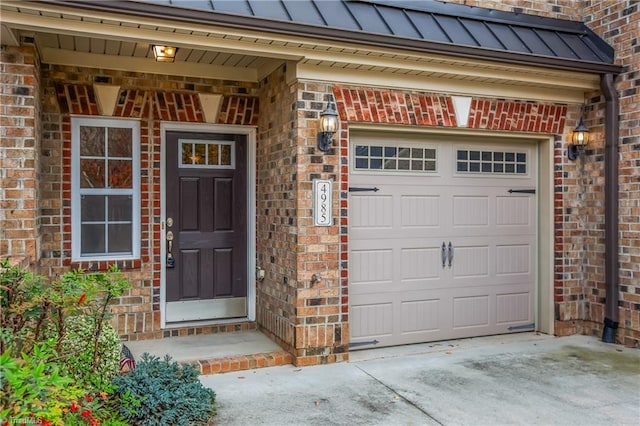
pixel 105 188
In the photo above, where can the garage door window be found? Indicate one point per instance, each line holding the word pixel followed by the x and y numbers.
pixel 395 158
pixel 493 162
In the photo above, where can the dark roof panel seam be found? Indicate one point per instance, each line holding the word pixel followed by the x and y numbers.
pixel 315 6
pixel 446 34
pixel 504 46
pixel 568 46
pixel 253 12
pixel 535 31
pixel 413 24
pixel 468 31
pixel 284 7
pixel 515 33
pixel 386 24
pixel 346 4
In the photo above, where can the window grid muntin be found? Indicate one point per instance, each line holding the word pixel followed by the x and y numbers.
pixel 206 164
pixel 473 161
pixel 79 192
pixel 395 158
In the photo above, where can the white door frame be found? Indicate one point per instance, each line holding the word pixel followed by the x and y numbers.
pixel 250 133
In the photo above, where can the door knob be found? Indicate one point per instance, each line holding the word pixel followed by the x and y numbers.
pixel 450 254
pixel 443 254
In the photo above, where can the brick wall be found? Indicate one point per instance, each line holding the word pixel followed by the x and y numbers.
pixel 151 98
pixel 19 147
pixel 304 315
pixel 277 240
pixel 322 333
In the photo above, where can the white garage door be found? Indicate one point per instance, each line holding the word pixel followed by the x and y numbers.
pixel 442 240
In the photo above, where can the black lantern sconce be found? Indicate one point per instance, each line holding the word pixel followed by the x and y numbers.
pixel 327 126
pixel 579 139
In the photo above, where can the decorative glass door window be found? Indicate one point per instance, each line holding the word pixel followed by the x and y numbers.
pixel 206 154
pixel 105 189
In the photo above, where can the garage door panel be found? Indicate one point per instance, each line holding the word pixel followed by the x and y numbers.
pixel 514 259
pixel 420 316
pixel 470 211
pixel 371 212
pixel 371 320
pixel 471 311
pixel 514 211
pixel 420 211
pixel 371 265
pixel 513 308
pixel 490 284
pixel 470 261
pixel 420 263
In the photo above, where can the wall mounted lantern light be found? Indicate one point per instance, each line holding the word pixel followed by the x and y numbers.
pixel 579 139
pixel 327 126
pixel 164 53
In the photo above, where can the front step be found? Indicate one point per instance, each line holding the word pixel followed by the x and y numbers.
pixel 216 353
pixel 229 364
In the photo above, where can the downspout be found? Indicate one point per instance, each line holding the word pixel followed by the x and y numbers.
pixel 611 268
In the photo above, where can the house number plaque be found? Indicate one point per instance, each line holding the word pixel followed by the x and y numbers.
pixel 322 202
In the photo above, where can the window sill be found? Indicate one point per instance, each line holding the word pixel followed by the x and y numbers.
pixel 96 265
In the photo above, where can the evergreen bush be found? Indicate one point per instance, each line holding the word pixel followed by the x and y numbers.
pixel 161 392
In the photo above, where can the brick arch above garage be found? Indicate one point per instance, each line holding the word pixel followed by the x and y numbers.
pixel 385 106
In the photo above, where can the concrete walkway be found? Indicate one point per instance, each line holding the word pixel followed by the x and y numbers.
pixel 502 380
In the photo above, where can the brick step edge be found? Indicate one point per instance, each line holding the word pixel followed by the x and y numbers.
pixel 229 364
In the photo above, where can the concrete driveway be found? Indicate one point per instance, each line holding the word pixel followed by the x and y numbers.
pixel 501 380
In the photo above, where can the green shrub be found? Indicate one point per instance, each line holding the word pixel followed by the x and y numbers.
pixel 78 347
pixel 33 387
pixel 161 392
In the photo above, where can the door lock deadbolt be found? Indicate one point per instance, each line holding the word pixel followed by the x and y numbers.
pixel 171 261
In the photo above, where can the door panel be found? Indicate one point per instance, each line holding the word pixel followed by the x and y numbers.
pixel 206 199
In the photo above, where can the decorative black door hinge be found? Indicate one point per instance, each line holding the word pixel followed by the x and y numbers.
pixel 521 327
pixel 522 191
pixel 367 343
pixel 354 189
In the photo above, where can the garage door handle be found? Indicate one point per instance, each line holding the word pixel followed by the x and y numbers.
pixel 444 254
pixel 450 255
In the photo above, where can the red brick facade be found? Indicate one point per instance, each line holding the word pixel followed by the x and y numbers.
pixel 303 301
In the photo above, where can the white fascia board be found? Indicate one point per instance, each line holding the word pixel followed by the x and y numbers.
pixel 449 86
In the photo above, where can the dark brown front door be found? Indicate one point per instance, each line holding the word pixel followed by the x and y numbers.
pixel 206 220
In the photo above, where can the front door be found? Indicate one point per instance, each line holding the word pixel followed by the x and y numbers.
pixel 206 226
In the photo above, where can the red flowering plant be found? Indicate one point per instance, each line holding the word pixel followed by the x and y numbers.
pixel 57 345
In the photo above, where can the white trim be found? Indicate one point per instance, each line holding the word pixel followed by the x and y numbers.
pixel 134 125
pixel 250 133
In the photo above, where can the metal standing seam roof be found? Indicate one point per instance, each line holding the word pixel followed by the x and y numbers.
pixel 426 25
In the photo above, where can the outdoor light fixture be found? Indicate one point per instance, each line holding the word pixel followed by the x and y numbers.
pixel 164 53
pixel 580 139
pixel 327 126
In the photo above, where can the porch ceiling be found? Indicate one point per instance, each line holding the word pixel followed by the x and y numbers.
pixel 68 35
